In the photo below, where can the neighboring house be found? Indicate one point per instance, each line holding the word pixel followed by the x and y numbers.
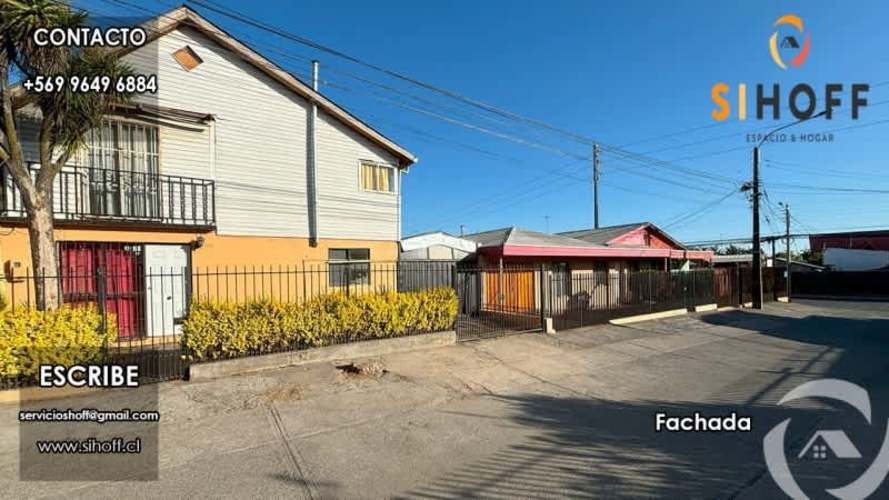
pixel 437 245
pixel 854 240
pixel 618 250
pixel 216 169
pixel 627 247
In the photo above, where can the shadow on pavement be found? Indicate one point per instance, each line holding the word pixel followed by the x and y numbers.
pixel 587 447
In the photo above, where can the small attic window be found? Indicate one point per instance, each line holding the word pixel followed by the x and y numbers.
pixel 187 58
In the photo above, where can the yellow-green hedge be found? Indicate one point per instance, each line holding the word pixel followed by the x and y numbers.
pixel 222 330
pixel 66 336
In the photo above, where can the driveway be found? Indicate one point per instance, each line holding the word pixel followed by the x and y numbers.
pixel 570 414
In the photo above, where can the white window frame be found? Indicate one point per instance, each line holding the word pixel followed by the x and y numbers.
pixel 348 262
pixel 395 177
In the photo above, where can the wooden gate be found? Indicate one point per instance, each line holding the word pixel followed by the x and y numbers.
pixel 726 287
pixel 496 302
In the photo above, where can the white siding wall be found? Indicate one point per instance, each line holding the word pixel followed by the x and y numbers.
pixel 260 148
pixel 345 210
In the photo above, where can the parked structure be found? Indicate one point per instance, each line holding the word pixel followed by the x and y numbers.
pixel 234 161
pixel 437 245
pixel 745 261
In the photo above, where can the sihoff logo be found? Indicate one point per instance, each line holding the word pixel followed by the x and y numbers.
pixel 803 100
pixel 825 444
pixel 789 42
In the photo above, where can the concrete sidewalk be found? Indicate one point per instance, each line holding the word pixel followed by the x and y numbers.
pixel 532 415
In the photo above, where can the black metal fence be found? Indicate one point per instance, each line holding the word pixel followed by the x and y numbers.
pixel 859 284
pixel 575 299
pixel 147 306
pixel 495 301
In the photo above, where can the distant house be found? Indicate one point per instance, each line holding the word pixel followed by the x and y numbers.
pixel 855 240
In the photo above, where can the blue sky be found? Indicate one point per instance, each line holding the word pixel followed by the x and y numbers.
pixel 624 73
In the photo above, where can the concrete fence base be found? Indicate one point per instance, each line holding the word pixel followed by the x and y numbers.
pixel 340 352
pixel 649 317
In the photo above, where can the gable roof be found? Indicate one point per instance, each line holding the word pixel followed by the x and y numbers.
pixel 184 16
pixel 605 235
pixel 602 235
pixel 518 236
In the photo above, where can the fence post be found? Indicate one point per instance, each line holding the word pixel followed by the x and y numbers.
pixel 740 279
pixel 101 296
pixel 454 276
pixel 541 292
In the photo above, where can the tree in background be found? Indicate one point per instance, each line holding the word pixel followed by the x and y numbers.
pixel 64 117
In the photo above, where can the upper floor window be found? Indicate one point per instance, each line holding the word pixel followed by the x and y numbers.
pixel 377 177
pixel 123 163
pixel 116 145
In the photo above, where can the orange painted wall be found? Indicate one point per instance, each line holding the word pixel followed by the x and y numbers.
pixel 218 250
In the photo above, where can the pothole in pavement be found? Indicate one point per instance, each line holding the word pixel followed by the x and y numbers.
pixel 372 369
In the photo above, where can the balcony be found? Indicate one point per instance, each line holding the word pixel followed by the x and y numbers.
pixel 101 197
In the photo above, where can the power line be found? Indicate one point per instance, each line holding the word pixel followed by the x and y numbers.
pixel 689 217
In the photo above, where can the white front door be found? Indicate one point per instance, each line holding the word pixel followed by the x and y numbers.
pixel 166 279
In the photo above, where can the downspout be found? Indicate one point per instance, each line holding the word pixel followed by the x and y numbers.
pixel 312 169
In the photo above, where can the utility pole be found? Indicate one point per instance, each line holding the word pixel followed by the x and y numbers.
pixel 546 218
pixel 787 259
pixel 461 230
pixel 757 254
pixel 596 186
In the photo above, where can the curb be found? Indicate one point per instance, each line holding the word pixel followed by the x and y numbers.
pixel 341 352
pixel 706 308
pixel 649 317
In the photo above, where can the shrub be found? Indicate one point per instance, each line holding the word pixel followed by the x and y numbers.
pixel 65 336
pixel 215 330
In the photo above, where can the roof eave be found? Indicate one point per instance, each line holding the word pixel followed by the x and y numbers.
pixel 169 21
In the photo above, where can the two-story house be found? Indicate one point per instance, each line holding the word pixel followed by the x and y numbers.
pixel 233 162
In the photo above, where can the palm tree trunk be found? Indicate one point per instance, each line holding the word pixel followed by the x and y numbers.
pixel 43 255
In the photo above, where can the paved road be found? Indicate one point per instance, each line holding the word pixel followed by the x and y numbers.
pixel 570 414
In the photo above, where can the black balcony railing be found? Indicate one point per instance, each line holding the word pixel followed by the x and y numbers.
pixel 104 196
